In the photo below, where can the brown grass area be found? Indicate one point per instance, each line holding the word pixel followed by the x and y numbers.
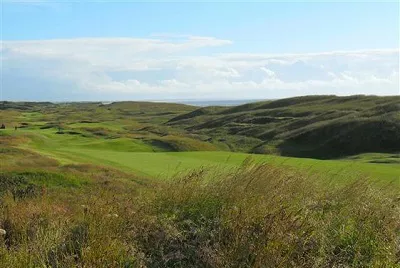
pixel 255 216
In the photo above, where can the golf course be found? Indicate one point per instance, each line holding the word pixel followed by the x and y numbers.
pixel 139 158
pixel 309 181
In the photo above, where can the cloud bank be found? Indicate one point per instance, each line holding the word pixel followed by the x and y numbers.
pixel 167 66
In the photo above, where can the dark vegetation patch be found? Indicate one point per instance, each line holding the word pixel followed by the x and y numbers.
pixel 18 185
pixel 51 178
pixel 69 132
pixel 88 121
pixel 180 144
pixel 24 125
pixel 308 126
pixel 163 145
pixel 100 132
pixel 343 138
pixel 52 125
pixel 385 161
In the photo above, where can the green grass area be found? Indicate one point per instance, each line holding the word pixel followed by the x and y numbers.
pixel 137 156
pixel 126 135
pixel 110 125
pixel 164 164
pixel 323 127
pixel 166 185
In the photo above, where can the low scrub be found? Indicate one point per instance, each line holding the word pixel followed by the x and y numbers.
pixel 308 126
pixel 342 138
pixel 252 216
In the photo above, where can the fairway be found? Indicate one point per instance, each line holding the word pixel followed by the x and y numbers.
pixel 132 155
pixel 165 165
pixel 138 157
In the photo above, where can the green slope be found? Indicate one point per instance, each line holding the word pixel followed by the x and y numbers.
pixel 137 157
pixel 323 127
pixel 126 134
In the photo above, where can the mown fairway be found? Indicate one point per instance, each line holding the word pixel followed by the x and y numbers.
pixel 138 157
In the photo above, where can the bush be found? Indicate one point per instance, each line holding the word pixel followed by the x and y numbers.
pixel 18 186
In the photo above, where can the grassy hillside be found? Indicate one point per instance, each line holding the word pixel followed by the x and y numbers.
pixel 310 126
pixel 249 215
pixel 150 159
pixel 167 185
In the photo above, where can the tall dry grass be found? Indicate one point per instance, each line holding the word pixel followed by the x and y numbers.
pixel 253 216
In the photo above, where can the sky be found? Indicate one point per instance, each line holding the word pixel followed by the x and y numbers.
pixel 125 50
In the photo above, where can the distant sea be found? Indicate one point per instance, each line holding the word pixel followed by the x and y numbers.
pixel 203 103
pixel 200 103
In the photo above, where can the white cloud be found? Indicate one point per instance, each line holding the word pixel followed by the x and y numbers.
pixel 268 72
pixel 176 66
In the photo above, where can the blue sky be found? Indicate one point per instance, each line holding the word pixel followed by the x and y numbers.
pixel 125 50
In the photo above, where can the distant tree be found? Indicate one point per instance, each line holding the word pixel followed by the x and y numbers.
pixel 3 126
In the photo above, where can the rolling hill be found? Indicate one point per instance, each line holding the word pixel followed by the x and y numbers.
pixel 309 126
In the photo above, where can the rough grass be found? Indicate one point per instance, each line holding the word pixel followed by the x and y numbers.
pixel 253 216
pixel 274 212
pixel 308 126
